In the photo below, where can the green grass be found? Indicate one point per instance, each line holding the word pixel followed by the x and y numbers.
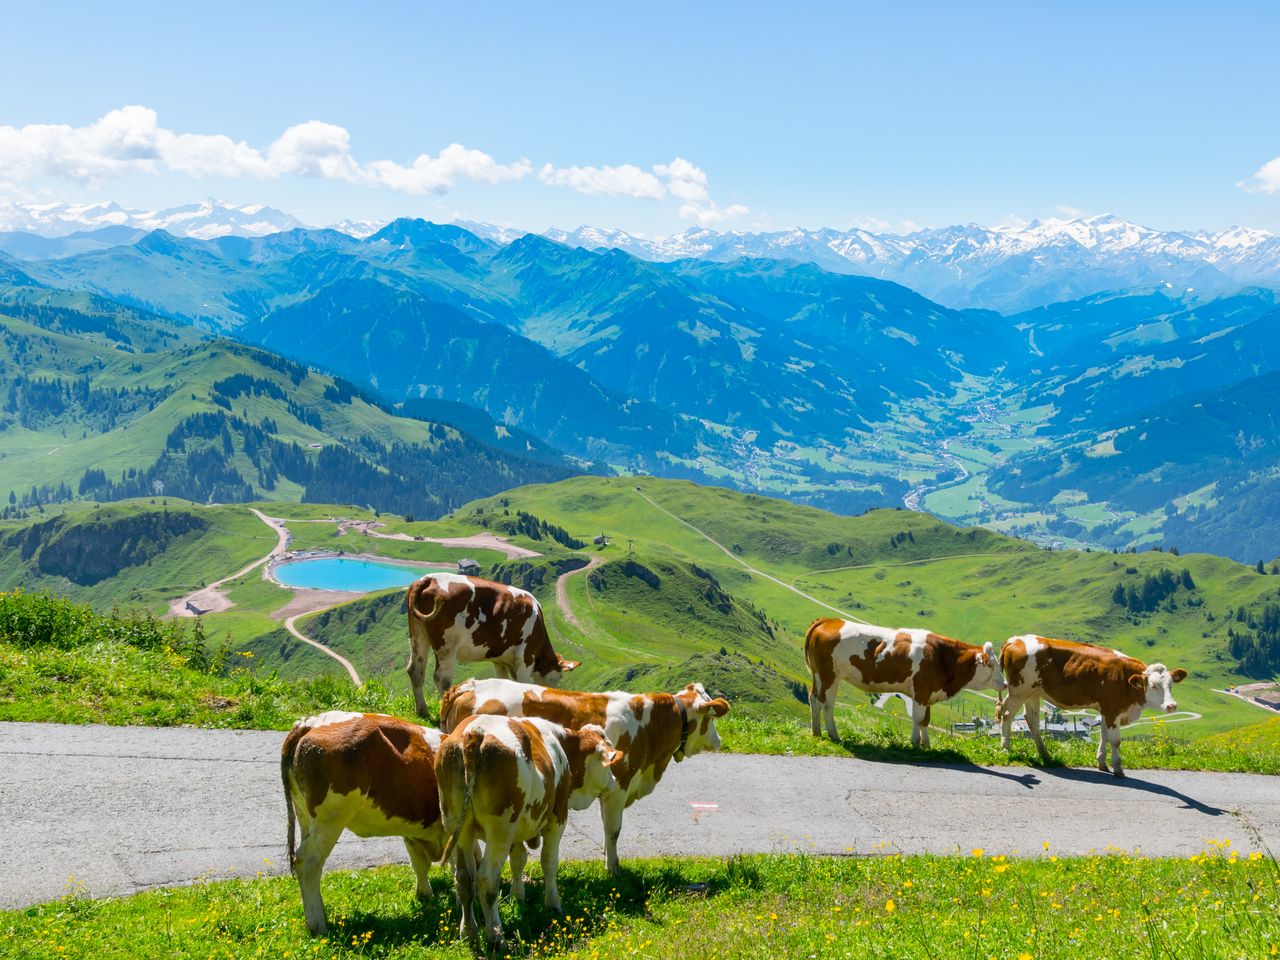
pixel 1216 904
pixel 869 734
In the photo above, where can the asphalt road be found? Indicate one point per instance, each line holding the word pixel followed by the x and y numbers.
pixel 120 809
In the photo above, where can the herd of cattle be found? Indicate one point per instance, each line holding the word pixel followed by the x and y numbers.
pixel 514 755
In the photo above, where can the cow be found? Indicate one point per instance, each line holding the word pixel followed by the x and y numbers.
pixel 508 781
pixel 1074 675
pixel 469 619
pixel 925 666
pixel 365 772
pixel 652 730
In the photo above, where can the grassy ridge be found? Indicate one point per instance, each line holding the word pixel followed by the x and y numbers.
pixel 1220 903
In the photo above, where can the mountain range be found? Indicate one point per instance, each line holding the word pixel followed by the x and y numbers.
pixel 832 388
pixel 1007 268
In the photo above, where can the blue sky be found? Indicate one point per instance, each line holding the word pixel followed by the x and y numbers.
pixel 654 117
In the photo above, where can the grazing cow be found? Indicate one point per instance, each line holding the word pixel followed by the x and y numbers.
pixel 469 619
pixel 651 729
pixel 507 781
pixel 371 774
pixel 925 666
pixel 1073 675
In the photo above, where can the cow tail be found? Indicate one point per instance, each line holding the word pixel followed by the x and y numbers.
pixel 471 742
pixel 286 776
pixel 809 651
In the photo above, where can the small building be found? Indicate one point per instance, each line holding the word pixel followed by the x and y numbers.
pixel 468 567
pixel 601 541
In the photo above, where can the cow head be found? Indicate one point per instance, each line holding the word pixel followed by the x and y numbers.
pixel 549 673
pixel 700 723
pixel 987 674
pixel 599 761
pixel 1156 684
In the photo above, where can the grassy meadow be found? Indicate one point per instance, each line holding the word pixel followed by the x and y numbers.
pixel 664 606
pixel 1217 904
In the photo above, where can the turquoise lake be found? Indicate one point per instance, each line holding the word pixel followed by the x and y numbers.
pixel 345 573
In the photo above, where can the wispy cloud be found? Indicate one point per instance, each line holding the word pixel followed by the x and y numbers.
pixel 678 179
pixel 1265 180
pixel 130 140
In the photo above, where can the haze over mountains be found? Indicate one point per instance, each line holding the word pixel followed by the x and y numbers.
pixel 1004 268
pixel 794 373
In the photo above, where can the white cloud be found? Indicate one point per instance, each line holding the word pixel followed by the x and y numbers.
pixel 131 140
pixel 679 179
pixel 626 180
pixel 430 174
pixel 1265 180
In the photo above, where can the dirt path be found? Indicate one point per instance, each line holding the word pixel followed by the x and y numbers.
pixel 120 830
pixel 290 625
pixel 562 591
pixel 746 566
pixel 212 599
pixel 476 541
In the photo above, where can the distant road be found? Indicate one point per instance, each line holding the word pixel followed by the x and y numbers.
pixel 121 809
pixel 746 566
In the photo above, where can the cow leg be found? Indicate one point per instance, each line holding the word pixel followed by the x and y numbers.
pixel 417 670
pixel 1032 712
pixel 464 885
pixel 313 851
pixel 815 705
pixel 497 849
pixel 443 677
pixel 611 807
pixel 420 857
pixel 919 725
pixel 519 854
pixel 550 864
pixel 1005 713
pixel 827 700
pixel 1115 751
pixel 1103 737
pixel 502 671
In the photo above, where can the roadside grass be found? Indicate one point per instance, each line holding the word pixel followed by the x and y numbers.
pixel 870 735
pixel 1221 903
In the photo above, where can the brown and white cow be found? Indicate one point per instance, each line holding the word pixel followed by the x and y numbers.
pixel 651 729
pixel 368 773
pixel 469 619
pixel 505 781
pixel 925 666
pixel 1075 675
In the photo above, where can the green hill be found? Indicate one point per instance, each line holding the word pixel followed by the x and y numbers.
pixel 661 604
pixel 102 402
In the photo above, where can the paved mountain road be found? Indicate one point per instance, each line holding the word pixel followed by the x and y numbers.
pixel 120 809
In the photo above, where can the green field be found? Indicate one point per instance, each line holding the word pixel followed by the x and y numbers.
pixel 665 605
pixel 1217 904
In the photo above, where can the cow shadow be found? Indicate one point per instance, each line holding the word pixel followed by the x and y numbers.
pixel 1127 782
pixel 932 757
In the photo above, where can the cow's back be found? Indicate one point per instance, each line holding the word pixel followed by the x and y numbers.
pixel 388 761
pixel 1069 674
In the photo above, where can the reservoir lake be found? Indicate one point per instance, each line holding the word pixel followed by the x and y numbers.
pixel 346 573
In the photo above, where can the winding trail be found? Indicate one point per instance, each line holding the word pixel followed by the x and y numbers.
pixel 562 591
pixel 746 566
pixel 128 824
pixel 290 625
pixel 211 599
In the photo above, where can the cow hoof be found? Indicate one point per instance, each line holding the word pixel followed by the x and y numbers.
pixel 1118 773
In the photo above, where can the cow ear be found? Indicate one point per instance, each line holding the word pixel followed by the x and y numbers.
pixel 1179 675
pixel 988 649
pixel 1137 681
pixel 614 758
pixel 718 707
pixel 567 665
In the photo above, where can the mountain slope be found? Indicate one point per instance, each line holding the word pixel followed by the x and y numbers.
pixel 410 347
pixel 89 414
